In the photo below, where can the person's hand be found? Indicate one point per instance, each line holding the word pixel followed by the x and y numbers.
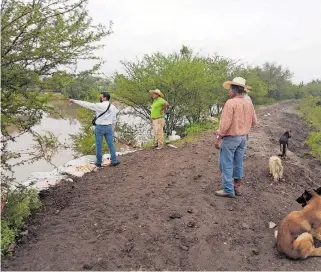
pixel 218 143
pixel 71 100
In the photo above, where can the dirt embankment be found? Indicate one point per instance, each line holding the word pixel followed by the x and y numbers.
pixel 157 210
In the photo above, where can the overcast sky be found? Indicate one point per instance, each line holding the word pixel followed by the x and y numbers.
pixel 255 31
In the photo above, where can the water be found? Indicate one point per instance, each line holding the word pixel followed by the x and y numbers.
pixel 62 125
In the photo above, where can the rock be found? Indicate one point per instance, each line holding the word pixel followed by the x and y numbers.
pixel 23 240
pixel 191 224
pixel 92 241
pixel 173 137
pixel 57 211
pixel 272 225
pixel 197 177
pixel 87 266
pixel 70 179
pixel 190 210
pixel 245 226
pixel 129 247
pixel 255 251
pixel 231 209
pixel 184 247
pixel 174 216
pixel 176 236
pixel 11 247
pixel 172 146
pixel 24 233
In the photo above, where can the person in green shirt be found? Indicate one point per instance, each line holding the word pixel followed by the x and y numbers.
pixel 157 115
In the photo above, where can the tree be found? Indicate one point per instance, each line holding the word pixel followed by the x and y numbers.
pixel 278 80
pixel 313 88
pixel 86 87
pixel 259 88
pixel 40 38
pixel 190 84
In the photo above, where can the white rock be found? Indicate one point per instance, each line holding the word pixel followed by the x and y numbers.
pixel 172 146
pixel 272 225
pixel 173 137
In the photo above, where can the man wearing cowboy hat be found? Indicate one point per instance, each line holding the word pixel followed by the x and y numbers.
pixel 237 118
pixel 157 115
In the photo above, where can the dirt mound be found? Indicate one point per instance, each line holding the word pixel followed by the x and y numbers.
pixel 157 210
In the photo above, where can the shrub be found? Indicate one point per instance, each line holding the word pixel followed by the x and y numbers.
pixel 21 203
pixel 7 237
pixel 200 127
pixel 314 141
pixel 312 114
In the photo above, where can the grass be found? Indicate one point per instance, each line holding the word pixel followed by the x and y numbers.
pixel 192 133
pixel 312 115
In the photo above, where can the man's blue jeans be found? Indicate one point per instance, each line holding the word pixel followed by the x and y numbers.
pixel 106 131
pixel 231 161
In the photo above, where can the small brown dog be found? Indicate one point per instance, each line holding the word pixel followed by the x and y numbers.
pixel 276 168
pixel 297 229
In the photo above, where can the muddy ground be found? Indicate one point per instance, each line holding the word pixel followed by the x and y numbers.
pixel 157 210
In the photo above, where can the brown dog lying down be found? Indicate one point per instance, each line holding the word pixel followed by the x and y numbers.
pixel 297 229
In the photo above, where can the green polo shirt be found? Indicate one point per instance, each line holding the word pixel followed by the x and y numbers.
pixel 156 108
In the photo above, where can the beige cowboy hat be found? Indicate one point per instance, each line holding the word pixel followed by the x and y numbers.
pixel 158 92
pixel 239 81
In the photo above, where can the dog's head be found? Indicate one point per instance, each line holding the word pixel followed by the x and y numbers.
pixel 306 197
pixel 287 133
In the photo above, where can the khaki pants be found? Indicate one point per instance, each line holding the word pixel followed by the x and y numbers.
pixel 158 126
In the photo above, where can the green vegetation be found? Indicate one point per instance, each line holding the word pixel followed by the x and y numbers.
pixel 200 127
pixel 84 141
pixel 312 114
pixel 41 42
pixel 193 84
pixel 190 84
pixel 20 204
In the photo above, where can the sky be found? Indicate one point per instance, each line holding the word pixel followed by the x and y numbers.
pixel 253 31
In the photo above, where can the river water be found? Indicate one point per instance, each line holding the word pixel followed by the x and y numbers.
pixel 62 125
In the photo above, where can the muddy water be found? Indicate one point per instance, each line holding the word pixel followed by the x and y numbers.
pixel 62 125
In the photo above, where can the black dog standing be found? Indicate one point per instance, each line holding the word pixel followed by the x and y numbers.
pixel 284 142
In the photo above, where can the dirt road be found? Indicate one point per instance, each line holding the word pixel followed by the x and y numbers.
pixel 157 210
